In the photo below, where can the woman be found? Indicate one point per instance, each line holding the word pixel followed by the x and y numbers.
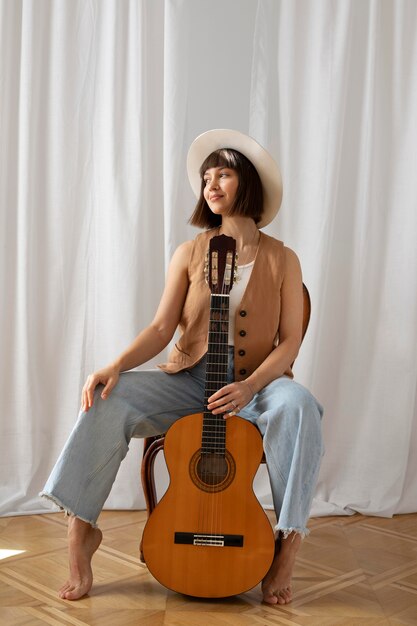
pixel 239 189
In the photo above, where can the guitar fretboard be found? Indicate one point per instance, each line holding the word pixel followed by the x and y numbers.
pixel 214 426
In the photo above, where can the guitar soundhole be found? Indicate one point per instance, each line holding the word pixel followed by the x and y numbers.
pixel 212 469
pixel 212 472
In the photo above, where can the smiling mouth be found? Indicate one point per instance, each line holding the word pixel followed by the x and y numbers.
pixel 214 198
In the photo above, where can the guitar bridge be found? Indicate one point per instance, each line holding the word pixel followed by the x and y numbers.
pixel 209 539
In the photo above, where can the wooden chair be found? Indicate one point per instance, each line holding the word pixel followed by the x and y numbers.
pixel 153 445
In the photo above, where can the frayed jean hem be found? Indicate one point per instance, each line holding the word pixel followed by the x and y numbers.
pixel 284 533
pixel 58 503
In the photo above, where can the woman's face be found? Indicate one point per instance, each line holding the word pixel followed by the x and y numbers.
pixel 220 189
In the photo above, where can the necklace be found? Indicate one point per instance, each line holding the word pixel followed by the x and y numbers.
pixel 245 256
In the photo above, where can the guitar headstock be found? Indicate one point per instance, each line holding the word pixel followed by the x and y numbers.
pixel 220 264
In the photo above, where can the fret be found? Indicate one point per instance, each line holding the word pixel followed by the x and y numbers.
pixel 217 376
pixel 210 428
pixel 212 441
pixel 216 373
pixel 212 431
pixel 211 417
pixel 221 452
pixel 220 362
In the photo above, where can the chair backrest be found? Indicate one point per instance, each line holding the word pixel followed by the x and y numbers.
pixel 306 313
pixel 306 310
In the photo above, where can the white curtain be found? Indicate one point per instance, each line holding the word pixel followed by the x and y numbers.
pixel 99 102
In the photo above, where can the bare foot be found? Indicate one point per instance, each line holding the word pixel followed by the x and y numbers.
pixel 83 541
pixel 276 586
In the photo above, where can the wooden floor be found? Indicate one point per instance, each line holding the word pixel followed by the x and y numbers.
pixel 351 570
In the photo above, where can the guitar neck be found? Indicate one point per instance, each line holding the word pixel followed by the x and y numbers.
pixel 214 426
pixel 218 349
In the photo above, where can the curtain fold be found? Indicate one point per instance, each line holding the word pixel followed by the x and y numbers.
pixel 99 104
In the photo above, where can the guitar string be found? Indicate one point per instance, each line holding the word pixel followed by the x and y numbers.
pixel 215 384
pixel 222 459
pixel 211 465
pixel 221 456
pixel 208 418
pixel 226 358
pixel 216 456
pixel 207 458
pixel 218 430
pixel 214 378
pixel 222 359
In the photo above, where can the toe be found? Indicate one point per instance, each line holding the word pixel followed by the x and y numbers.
pixel 269 597
pixel 63 591
pixel 67 591
pixel 286 594
pixel 74 593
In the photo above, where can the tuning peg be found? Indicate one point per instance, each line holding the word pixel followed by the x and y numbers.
pixel 206 267
pixel 236 269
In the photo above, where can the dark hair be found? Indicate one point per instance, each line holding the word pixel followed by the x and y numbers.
pixel 249 195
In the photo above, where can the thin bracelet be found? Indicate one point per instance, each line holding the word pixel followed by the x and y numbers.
pixel 250 387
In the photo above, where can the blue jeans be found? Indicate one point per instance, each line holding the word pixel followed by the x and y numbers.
pixel 146 403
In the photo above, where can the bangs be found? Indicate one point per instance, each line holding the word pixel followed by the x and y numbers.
pixel 220 158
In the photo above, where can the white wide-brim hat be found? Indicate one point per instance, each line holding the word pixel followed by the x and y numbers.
pixel 265 165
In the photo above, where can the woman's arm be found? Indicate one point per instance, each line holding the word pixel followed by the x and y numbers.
pixel 160 331
pixel 281 358
pixel 154 337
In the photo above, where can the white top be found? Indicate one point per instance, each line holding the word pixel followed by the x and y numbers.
pixel 236 295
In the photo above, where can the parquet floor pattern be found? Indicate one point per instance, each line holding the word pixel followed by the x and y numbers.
pixel 350 571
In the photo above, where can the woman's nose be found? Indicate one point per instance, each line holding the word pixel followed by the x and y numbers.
pixel 213 184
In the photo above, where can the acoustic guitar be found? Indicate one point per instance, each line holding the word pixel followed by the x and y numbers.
pixel 209 536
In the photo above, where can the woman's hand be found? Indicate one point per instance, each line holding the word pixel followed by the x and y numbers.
pixel 231 398
pixel 108 376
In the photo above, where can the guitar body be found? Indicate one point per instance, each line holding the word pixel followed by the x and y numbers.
pixel 209 536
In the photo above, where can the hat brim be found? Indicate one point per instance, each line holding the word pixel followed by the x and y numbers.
pixel 268 170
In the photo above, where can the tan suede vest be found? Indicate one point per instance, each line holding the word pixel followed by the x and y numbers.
pixel 257 317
